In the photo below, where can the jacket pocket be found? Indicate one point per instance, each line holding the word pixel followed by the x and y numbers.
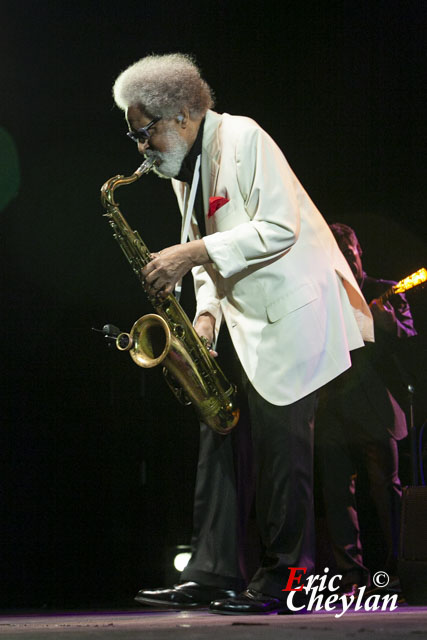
pixel 290 302
pixel 228 216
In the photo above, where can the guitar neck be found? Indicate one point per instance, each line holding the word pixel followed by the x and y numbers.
pixel 415 279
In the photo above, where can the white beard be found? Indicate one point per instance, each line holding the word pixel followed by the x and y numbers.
pixel 169 162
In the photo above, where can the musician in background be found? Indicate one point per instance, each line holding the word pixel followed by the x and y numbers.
pixel 265 261
pixel 358 424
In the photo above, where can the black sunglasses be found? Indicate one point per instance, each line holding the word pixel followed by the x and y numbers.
pixel 143 134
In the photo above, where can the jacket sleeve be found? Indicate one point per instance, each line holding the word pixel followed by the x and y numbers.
pixel 404 327
pixel 404 321
pixel 206 297
pixel 269 198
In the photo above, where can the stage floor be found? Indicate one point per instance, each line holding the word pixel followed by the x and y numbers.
pixel 145 623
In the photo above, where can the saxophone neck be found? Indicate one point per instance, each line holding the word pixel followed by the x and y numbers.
pixel 108 188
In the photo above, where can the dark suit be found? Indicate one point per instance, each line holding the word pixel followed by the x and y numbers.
pixel 359 420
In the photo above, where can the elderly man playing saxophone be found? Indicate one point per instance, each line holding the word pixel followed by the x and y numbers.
pixel 268 271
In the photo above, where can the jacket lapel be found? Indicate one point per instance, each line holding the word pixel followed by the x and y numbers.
pixel 211 153
pixel 209 168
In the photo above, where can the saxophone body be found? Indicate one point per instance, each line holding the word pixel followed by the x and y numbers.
pixel 167 337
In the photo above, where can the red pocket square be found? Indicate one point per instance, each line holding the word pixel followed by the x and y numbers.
pixel 216 203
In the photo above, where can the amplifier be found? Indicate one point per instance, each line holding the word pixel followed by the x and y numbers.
pixel 412 563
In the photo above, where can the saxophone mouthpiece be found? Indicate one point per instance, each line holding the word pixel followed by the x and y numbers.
pixel 146 166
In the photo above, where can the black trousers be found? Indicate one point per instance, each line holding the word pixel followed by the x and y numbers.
pixel 267 460
pixel 349 440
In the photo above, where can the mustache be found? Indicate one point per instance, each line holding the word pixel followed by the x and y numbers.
pixel 150 153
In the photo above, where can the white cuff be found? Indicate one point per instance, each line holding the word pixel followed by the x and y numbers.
pixel 225 254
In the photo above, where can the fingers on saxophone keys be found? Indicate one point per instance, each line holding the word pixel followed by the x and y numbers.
pixel 155 289
pixel 167 290
pixel 209 346
pixel 150 282
pixel 146 271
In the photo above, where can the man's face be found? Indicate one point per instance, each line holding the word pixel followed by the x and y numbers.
pixel 353 254
pixel 167 142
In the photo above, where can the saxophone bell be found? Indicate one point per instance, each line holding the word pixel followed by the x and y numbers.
pixel 148 342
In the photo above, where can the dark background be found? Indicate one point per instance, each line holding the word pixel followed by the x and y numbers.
pixel 97 459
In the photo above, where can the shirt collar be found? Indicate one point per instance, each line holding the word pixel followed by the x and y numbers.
pixel 187 168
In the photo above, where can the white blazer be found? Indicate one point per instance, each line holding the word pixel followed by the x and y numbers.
pixel 290 301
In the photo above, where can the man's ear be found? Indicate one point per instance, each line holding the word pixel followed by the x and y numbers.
pixel 183 117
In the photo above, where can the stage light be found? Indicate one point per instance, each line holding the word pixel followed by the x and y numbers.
pixel 181 560
pixel 176 559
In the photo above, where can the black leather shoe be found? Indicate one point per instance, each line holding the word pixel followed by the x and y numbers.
pixel 249 602
pixel 188 595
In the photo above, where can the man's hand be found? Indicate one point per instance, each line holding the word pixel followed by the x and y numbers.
pixel 384 316
pixel 205 328
pixel 169 265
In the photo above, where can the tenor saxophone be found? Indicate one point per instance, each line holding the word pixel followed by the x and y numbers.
pixel 167 336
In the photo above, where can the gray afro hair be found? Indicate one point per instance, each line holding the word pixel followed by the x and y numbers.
pixel 162 85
